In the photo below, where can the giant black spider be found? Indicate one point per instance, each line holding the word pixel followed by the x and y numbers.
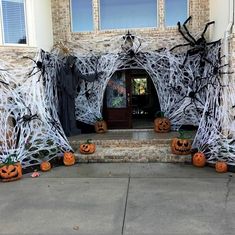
pixel 27 118
pixel 39 66
pixel 199 46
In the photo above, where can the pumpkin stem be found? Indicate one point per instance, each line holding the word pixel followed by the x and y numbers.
pixel 88 141
pixel 183 134
pixel 98 119
pixel 11 159
pixel 161 113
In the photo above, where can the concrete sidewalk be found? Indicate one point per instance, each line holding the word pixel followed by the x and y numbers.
pixel 116 199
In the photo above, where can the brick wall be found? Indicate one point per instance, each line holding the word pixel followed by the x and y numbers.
pixel 13 55
pixel 163 37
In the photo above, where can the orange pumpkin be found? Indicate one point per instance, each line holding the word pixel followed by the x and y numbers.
pixel 10 172
pixel 101 126
pixel 199 159
pixel 69 159
pixel 162 125
pixel 87 148
pixel 181 145
pixel 221 167
pixel 45 166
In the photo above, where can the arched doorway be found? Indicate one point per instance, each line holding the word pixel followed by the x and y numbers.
pixel 131 100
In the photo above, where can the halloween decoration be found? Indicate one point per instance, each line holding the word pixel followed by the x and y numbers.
pixel 181 145
pixel 69 159
pixel 199 46
pixel 221 167
pixel 67 83
pixel 27 118
pixel 188 86
pixel 199 159
pixel 162 124
pixel 100 126
pixel 87 148
pixel 39 66
pixel 45 166
pixel 10 170
pixel 35 174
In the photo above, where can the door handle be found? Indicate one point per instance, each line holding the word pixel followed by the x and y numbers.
pixel 128 99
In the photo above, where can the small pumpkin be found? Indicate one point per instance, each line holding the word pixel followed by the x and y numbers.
pixel 87 148
pixel 199 159
pixel 101 126
pixel 162 124
pixel 68 159
pixel 181 145
pixel 45 166
pixel 10 172
pixel 221 167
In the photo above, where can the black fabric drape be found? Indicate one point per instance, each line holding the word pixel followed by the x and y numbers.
pixel 67 83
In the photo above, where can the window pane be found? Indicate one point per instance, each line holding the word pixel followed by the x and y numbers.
pixel 116 91
pixel 175 10
pixel 82 17
pixel 118 14
pixel 13 21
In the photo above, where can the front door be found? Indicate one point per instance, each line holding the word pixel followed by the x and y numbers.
pixel 130 100
pixel 117 102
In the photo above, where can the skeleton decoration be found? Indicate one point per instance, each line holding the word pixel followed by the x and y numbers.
pixel 189 87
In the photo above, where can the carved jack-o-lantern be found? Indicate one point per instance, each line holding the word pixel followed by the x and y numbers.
pixel 181 145
pixel 10 172
pixel 100 126
pixel 45 166
pixel 221 167
pixel 162 125
pixel 199 159
pixel 87 148
pixel 69 158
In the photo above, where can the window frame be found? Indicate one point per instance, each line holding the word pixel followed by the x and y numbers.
pixel 174 26
pixel 2 39
pixel 124 29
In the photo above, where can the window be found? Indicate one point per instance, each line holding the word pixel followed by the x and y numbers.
pixel 175 10
pixel 118 14
pixel 82 17
pixel 13 21
pixel 116 91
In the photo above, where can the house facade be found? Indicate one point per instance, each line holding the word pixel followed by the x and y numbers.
pixel 51 21
pixel 93 24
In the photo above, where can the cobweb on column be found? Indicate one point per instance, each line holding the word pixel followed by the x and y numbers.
pixel 29 122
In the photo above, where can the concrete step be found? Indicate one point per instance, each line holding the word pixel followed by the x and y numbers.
pixel 132 153
pixel 121 147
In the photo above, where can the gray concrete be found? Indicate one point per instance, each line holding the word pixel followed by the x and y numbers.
pixel 116 199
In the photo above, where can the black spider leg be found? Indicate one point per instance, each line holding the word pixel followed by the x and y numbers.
pixel 180 45
pixel 39 66
pixel 207 115
pixel 27 118
pixel 4 83
pixel 216 71
pixel 206 27
pixel 193 42
pixel 181 32
pixel 192 101
pixel 193 96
